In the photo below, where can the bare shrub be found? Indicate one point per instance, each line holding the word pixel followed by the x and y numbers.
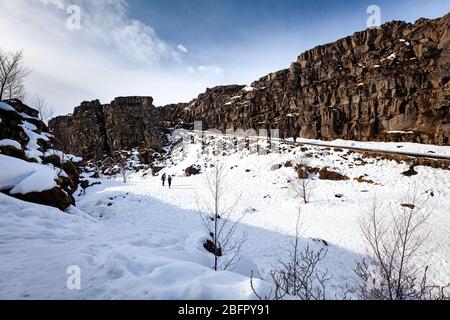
pixel 46 113
pixel 14 90
pixel 216 214
pixel 300 275
pixel 395 240
pixel 123 169
pixel 302 185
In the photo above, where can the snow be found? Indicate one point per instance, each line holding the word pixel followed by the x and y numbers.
pixel 24 115
pixel 142 241
pixel 73 158
pixel 47 134
pixel 416 148
pixel 10 143
pixel 400 132
pixel 33 146
pixel 25 177
pixel 6 107
pixel 405 42
pixel 392 56
pixel 334 220
pixel 62 155
pixel 134 255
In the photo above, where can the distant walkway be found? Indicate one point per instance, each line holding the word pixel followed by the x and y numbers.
pixel 331 145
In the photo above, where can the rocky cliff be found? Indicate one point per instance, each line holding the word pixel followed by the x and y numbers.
pixel 391 84
pixel 385 84
pixel 95 130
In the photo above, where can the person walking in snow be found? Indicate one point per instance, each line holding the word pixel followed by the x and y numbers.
pixel 170 182
pixel 163 179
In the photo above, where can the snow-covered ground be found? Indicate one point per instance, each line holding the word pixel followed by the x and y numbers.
pixel 140 240
pixel 407 147
pixel 142 249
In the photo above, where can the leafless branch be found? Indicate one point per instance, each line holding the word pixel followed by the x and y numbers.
pixel 395 239
pixel 12 75
pixel 216 215
pixel 300 275
pixel 302 185
pixel 46 112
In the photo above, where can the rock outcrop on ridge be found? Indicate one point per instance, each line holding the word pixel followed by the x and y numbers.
pixel 95 131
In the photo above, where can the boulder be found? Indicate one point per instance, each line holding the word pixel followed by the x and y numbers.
pixel 193 170
pixel 55 197
pixel 13 152
pixel 325 174
pixel 211 248
pixel 410 172
pixel 276 167
pixel 53 159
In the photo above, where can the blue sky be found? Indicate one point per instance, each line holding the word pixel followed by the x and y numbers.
pixel 275 32
pixel 174 49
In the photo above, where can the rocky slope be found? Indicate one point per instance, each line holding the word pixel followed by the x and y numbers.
pixel 95 131
pixel 390 84
pixel 32 170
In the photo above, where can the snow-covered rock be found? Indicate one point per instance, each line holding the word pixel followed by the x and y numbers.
pixel 23 177
pixel 10 143
pixel 31 169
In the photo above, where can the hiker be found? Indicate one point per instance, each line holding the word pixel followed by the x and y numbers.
pixel 163 179
pixel 170 182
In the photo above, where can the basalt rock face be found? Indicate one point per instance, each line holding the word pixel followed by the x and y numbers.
pixel 27 142
pixel 95 131
pixel 390 84
pixel 82 133
pixel 133 122
pixel 209 107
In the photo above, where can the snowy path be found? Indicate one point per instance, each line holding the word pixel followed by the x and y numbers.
pixel 142 249
pixel 133 251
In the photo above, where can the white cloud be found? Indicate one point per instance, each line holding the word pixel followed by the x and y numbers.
pixel 182 48
pixel 111 55
pixel 58 3
pixel 105 23
pixel 210 69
